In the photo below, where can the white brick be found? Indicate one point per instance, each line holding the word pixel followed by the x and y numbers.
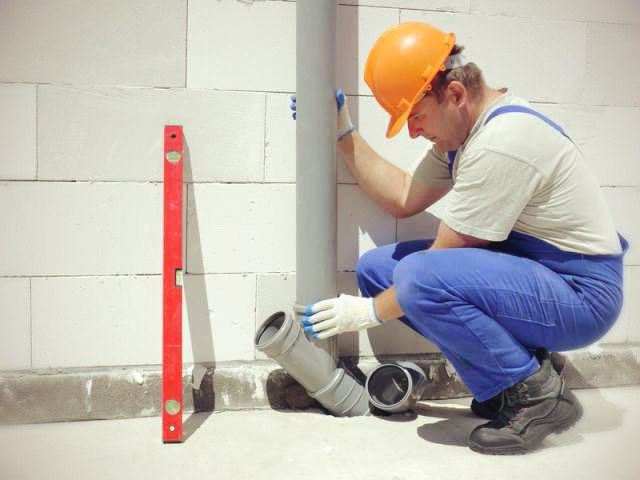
pixel 611 72
pixel 448 6
pixel 357 30
pixel 621 204
pixel 619 333
pixel 219 319
pixel 632 307
pixel 241 45
pixel 362 225
pixel 80 228
pixel 585 10
pixel 15 321
pixel 517 53
pixel 123 317
pixel 606 136
pixel 241 228
pixel 99 42
pixel 97 321
pixel 18 132
pixel 372 121
pixel 224 132
pixel 280 141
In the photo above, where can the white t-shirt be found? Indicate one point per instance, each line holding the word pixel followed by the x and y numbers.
pixel 519 173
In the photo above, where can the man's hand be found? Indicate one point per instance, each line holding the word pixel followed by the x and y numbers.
pixel 345 313
pixel 345 126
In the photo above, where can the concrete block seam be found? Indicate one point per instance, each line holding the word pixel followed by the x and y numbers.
pixel 186 42
pixel 478 12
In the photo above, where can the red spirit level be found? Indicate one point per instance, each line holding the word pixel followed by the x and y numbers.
pixel 172 287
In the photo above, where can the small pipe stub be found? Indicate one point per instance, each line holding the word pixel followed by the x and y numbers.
pixel 396 387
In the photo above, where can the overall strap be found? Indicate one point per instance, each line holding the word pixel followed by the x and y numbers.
pixel 523 109
pixel 509 109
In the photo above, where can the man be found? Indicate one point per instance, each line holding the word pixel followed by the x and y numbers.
pixel 526 258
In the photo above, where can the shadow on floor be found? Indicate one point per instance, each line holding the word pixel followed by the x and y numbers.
pixel 455 427
pixel 192 424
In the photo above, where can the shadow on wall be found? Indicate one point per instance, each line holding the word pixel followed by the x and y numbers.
pixel 394 337
pixel 197 307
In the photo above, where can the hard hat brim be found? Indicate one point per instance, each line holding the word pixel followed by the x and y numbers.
pixel 396 124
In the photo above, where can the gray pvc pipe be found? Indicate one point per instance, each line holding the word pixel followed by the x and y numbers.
pixel 316 204
pixel 396 387
pixel 314 364
pixel 281 338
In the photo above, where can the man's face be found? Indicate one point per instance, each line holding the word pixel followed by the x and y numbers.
pixel 441 123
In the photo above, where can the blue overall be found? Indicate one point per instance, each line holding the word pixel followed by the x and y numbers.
pixel 488 309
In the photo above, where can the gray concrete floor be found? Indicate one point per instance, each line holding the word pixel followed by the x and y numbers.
pixel 263 444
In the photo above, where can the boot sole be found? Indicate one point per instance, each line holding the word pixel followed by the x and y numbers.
pixel 528 446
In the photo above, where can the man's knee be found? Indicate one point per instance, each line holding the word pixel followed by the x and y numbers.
pixel 418 280
pixel 370 264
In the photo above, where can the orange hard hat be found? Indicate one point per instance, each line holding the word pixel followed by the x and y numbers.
pixel 401 66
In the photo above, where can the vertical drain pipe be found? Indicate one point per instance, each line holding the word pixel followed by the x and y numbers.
pixel 316 194
pixel 314 364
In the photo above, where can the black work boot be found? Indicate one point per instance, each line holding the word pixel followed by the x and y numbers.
pixel 490 409
pixel 534 408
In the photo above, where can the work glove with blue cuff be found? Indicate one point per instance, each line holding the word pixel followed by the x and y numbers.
pixel 345 126
pixel 345 313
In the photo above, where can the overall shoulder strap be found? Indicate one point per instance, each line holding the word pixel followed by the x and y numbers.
pixel 523 109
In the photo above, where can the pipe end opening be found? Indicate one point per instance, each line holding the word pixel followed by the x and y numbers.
pixel 388 385
pixel 270 328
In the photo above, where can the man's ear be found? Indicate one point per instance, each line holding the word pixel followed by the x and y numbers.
pixel 457 93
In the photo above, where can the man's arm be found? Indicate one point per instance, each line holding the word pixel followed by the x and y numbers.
pixel 449 238
pixel 386 304
pixel 386 184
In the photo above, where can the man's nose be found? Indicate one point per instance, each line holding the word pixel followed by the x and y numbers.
pixel 413 128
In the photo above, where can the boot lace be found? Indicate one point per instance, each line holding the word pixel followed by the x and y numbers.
pixel 515 398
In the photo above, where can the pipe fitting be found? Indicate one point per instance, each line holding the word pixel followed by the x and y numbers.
pixel 396 387
pixel 282 339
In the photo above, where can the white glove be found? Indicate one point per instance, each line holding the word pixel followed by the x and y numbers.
pixel 336 315
pixel 345 125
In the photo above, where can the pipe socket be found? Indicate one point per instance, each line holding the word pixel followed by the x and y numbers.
pixel 283 340
pixel 396 387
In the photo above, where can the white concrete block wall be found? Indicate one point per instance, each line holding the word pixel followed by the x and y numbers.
pixel 241 45
pixel 633 305
pixel 361 226
pixel 619 11
pixel 18 131
pixel 80 228
pixel 86 89
pixel 15 312
pixel 241 228
pixel 225 133
pixel 96 321
pixel 102 42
